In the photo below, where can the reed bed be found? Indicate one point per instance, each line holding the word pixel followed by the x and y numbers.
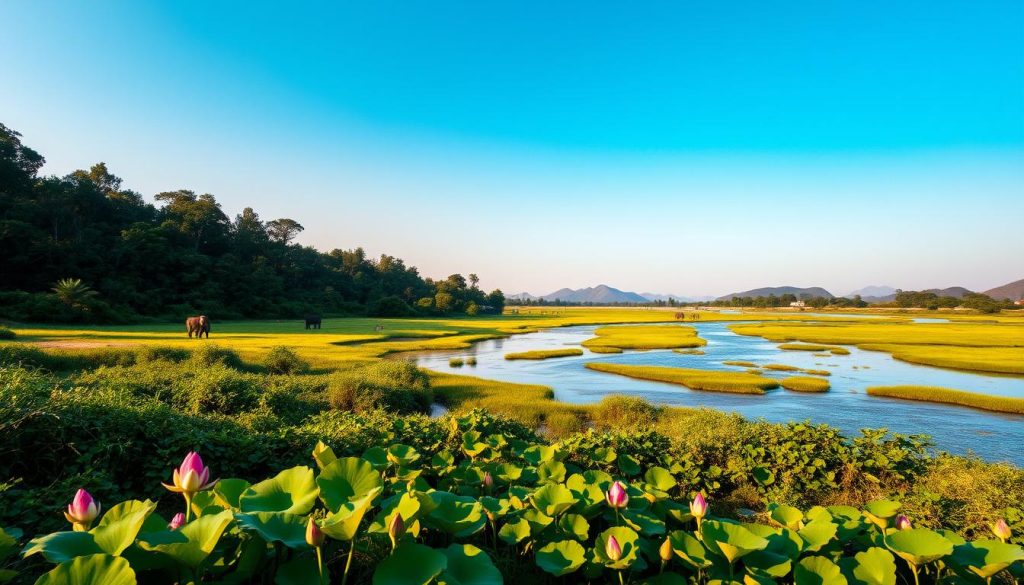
pixel 694 379
pixel 949 396
pixel 543 354
pixel 641 337
pixel 740 363
pixel 805 384
pixel 781 368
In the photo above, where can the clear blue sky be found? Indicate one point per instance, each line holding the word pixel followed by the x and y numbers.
pixel 686 147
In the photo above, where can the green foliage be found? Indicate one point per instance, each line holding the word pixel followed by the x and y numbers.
pixel 397 386
pixel 6 334
pixel 281 360
pixel 624 412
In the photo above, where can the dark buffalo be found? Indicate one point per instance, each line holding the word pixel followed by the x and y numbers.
pixel 313 321
pixel 198 325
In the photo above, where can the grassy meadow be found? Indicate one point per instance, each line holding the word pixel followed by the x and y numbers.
pixel 804 384
pixel 641 337
pixel 694 379
pixel 950 396
pixel 967 342
pixel 543 354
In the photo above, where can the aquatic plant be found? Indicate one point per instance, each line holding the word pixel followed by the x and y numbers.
pixel 543 354
pixel 950 396
pixel 804 384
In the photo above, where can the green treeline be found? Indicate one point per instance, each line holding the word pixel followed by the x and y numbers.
pixel 85 248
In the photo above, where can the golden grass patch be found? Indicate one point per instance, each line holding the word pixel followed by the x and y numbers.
pixel 695 379
pixel 645 337
pixel 543 354
pixel 781 368
pixel 1004 360
pixel 950 396
pixel 740 363
pixel 805 384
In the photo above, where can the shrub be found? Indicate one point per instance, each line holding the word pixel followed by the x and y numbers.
pixel 390 306
pixel 621 412
pixel 456 362
pixel 282 360
pixel 392 385
pixel 208 354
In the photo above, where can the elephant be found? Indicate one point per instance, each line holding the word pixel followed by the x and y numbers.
pixel 198 325
pixel 313 321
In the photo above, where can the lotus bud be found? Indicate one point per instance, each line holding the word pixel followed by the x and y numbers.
pixel 699 506
pixel 488 480
pixel 82 511
pixel 616 496
pixel 1001 530
pixel 176 522
pixel 665 550
pixel 902 522
pixel 612 549
pixel 314 536
pixel 191 477
pixel 396 529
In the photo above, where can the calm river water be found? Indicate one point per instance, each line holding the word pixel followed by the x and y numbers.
pixel 955 429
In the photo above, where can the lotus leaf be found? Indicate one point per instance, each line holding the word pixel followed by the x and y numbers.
pixel 293 491
pixel 562 557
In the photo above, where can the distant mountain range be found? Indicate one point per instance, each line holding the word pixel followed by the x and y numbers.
pixel 602 294
pixel 814 291
pixel 872 292
pixel 1012 291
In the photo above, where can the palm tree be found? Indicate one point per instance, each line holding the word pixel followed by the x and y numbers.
pixel 73 292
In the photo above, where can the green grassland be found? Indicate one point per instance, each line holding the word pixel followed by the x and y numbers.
pixel 967 342
pixel 543 354
pixel 694 379
pixel 950 396
pixel 804 384
pixel 645 337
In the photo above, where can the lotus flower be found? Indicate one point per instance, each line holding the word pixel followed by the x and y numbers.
pixel 1001 530
pixel 616 496
pixel 665 551
pixel 396 529
pixel 902 522
pixel 699 507
pixel 82 511
pixel 612 549
pixel 488 480
pixel 177 522
pixel 192 477
pixel 314 537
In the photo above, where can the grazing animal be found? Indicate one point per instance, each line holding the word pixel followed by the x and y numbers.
pixel 313 321
pixel 681 316
pixel 198 325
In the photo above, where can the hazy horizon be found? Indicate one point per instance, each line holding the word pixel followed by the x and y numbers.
pixel 673 149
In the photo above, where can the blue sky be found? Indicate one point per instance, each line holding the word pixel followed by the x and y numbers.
pixel 686 147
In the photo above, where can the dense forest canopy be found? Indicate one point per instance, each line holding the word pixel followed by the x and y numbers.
pixel 83 247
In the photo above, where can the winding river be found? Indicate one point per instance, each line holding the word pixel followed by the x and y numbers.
pixel 993 436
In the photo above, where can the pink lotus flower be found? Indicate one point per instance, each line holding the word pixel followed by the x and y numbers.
pixel 699 506
pixel 314 536
pixel 1001 530
pixel 192 477
pixel 488 480
pixel 176 522
pixel 396 529
pixel 612 549
pixel 616 496
pixel 82 511
pixel 902 522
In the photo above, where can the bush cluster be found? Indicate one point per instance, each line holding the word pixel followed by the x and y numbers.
pixel 396 386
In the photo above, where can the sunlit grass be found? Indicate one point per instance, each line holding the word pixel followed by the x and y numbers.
pixel 781 368
pixel 817 372
pixel 645 337
pixel 950 396
pixel 740 363
pixel 708 380
pixel 688 351
pixel 1006 360
pixel 543 354
pixel 804 384
pixel 966 343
